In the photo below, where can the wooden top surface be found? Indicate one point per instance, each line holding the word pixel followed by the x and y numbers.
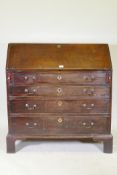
pixel 50 56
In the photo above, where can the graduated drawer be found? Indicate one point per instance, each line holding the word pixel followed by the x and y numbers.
pixel 60 125
pixel 60 91
pixel 71 77
pixel 28 105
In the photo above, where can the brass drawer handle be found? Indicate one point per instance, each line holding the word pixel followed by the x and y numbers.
pixel 89 79
pixel 31 125
pixel 34 77
pixel 35 124
pixel 88 107
pixel 92 105
pixel 88 125
pixel 92 123
pixel 26 90
pixel 84 105
pixel 34 90
pixel 33 107
pixel 60 120
pixel 8 78
pixel 26 77
pixel 89 91
pixel 59 77
pixel 30 91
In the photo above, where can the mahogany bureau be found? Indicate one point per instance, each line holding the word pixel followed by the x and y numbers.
pixel 59 91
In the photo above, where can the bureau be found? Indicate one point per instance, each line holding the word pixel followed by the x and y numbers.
pixel 59 91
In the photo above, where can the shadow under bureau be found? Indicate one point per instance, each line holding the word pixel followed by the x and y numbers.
pixel 59 91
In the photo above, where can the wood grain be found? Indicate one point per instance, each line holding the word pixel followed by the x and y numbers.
pixel 59 91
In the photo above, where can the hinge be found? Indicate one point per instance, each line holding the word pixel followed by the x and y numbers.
pixel 109 77
pixel 9 78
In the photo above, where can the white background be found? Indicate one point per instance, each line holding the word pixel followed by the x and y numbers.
pixel 59 21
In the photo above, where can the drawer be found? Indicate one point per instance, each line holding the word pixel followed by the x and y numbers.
pixel 71 77
pixel 60 91
pixel 60 125
pixel 59 106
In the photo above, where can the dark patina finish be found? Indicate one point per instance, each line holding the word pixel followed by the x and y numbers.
pixel 59 91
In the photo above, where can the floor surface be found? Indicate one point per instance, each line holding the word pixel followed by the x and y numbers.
pixel 54 157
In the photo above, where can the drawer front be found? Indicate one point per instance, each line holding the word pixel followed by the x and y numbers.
pixel 59 125
pixel 59 106
pixel 61 91
pixel 76 77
